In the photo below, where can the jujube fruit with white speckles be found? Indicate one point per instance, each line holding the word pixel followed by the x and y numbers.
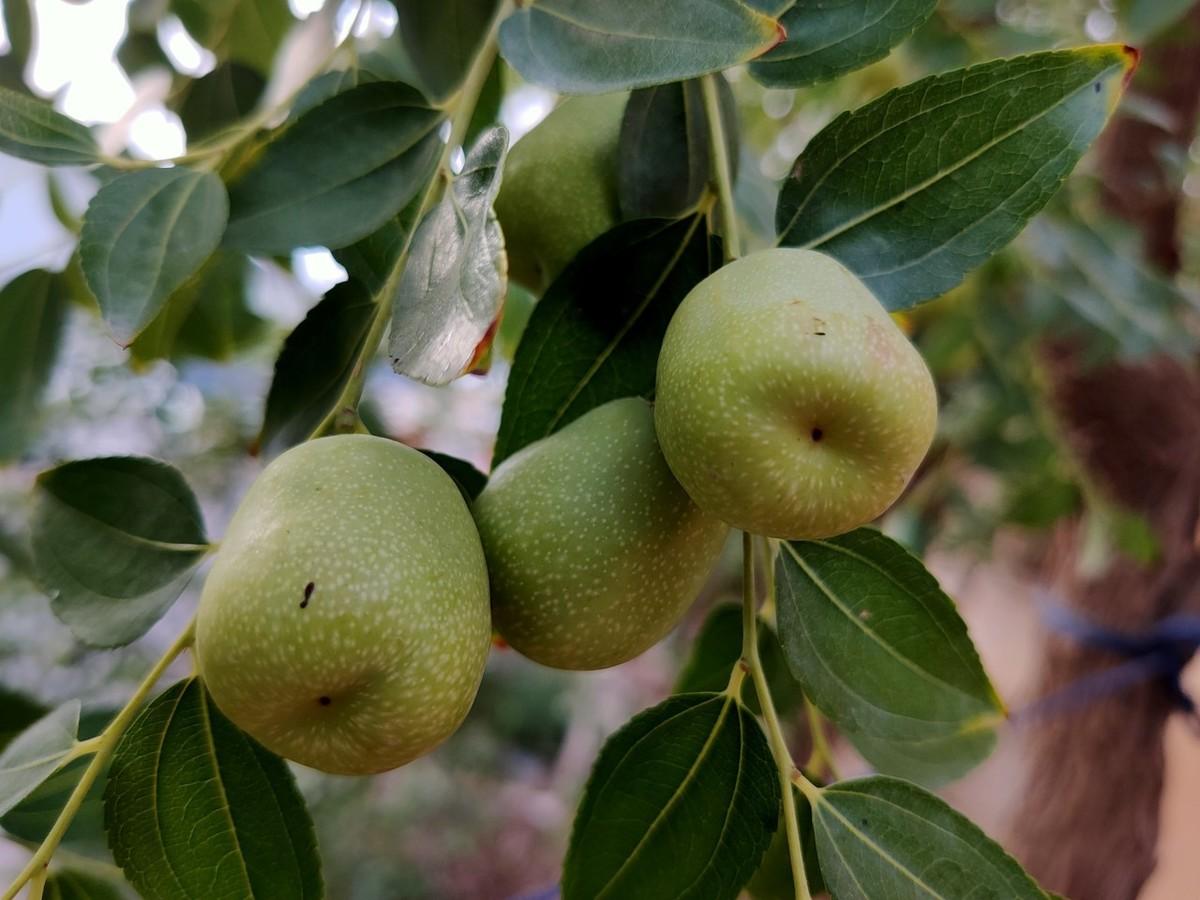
pixel 788 402
pixel 594 549
pixel 559 190
pixel 345 622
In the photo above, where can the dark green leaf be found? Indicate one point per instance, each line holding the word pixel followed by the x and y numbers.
pixel 584 47
pixel 314 366
pixel 33 755
pixel 665 157
pixel 882 837
pixel 717 649
pixel 219 99
pixel 311 190
pixel 443 38
pixel 195 809
pixel 207 317
pixel 324 86
pixel 596 333
pixel 487 107
pixel 247 31
pixel 826 39
pixel 773 880
pixel 372 259
pixel 69 884
pixel 144 234
pixel 883 653
pixel 468 478
pixel 33 130
pixel 18 25
pixel 33 311
pixel 682 802
pixel 446 305
pixel 16 713
pixel 915 189
pixel 116 539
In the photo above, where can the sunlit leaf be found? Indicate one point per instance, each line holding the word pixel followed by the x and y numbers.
pixel 446 305
pixel 31 129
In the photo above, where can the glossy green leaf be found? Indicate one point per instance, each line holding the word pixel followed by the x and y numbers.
pixel 207 317
pixel 665 160
pixel 717 649
pixel 219 99
pixel 468 478
pixel 682 802
pixel 596 333
pixel 33 130
pixel 33 311
pixel 32 756
pixel 315 365
pixel 918 187
pixel 70 884
pixel 584 47
pixel 773 880
pixel 324 86
pixel 33 818
pixel 827 39
pixel 144 234
pixel 195 809
pixel 248 31
pixel 116 540
pixel 882 837
pixel 16 713
pixel 372 259
pixel 309 190
pixel 448 299
pixel 882 652
pixel 442 39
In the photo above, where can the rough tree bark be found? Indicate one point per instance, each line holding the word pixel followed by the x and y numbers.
pixel 1090 817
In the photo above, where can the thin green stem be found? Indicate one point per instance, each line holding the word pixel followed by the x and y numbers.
pixel 464 107
pixel 783 758
pixel 722 168
pixel 821 757
pixel 108 740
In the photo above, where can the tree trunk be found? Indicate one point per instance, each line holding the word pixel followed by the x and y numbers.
pixel 1090 818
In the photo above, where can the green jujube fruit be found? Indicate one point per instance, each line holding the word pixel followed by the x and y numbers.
pixel 788 403
pixel 594 549
pixel 345 622
pixel 559 191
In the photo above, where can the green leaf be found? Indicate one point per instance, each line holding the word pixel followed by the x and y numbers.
pixel 487 107
pixel 596 333
pixel 664 160
pixel 116 539
pixel 219 99
pixel 18 25
pixel 882 837
pixel 468 478
pixel 445 307
pixel 584 47
pixel 144 234
pixel 717 649
pixel 69 884
pixel 33 130
pixel 36 752
pixel 915 189
pixel 207 317
pixel 195 809
pixel 16 713
pixel 324 86
pixel 33 818
pixel 33 312
pixel 773 880
pixel 247 31
pixel 314 366
pixel 682 802
pixel 882 652
pixel 308 190
pixel 442 39
pixel 827 39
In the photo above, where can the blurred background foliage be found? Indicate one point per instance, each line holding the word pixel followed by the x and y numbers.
pixel 487 815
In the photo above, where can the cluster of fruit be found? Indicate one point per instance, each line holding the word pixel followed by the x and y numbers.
pixel 347 618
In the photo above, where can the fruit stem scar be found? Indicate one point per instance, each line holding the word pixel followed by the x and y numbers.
pixel 324 701
pixel 308 592
pixel 817 434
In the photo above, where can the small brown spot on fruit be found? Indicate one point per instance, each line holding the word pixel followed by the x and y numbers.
pixel 817 434
pixel 308 592
pixel 324 701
